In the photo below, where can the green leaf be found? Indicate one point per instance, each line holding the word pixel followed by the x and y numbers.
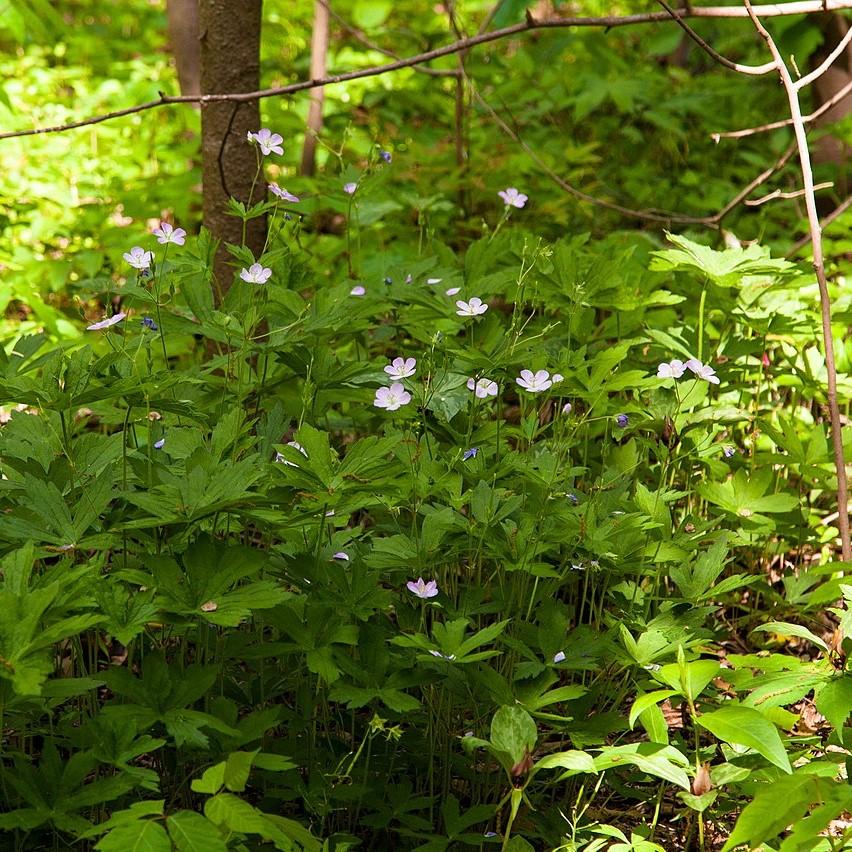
pixel 745 726
pixel 780 804
pixel 574 761
pixel 211 781
pixel 514 732
pixel 138 836
pixel 690 679
pixel 237 768
pixel 785 628
pixel 191 832
pixel 649 699
pixel 724 268
pixel 834 700
pixel 661 761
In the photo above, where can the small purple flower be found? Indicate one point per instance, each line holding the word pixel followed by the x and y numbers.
pixel 158 445
pixel 567 408
pixel 138 258
pixel 534 382
pixel 453 290
pixel 149 323
pixel 256 274
pixel 556 378
pixel 167 233
pixel 106 323
pixel 341 555
pixel 559 657
pixel 283 194
pixel 408 278
pixel 434 280
pixel 422 589
pixel 473 308
pixel 703 371
pixel 482 387
pixel 470 454
pixel 386 156
pixel 401 368
pixel 388 280
pixel 671 369
pixel 349 188
pixel 358 290
pixel 573 498
pixel 392 398
pixel 729 452
pixel 622 420
pixel 512 198
pixel 269 142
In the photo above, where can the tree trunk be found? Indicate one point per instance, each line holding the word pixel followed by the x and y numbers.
pixel 832 148
pixel 186 49
pixel 319 54
pixel 230 62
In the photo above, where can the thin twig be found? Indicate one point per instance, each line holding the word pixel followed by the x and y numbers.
pixel 792 91
pixel 798 7
pixel 776 125
pixel 363 38
pixel 711 221
pixel 572 190
pixel 796 193
pixel 824 223
pixel 825 64
pixel 756 70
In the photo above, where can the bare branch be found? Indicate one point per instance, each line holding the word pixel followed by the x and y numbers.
pixel 756 70
pixel 826 64
pixel 824 223
pixel 712 221
pixel 647 216
pixel 748 189
pixel 798 7
pixel 792 91
pixel 776 125
pixel 362 37
pixel 796 193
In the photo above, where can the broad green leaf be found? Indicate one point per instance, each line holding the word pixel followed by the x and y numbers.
pixel 785 628
pixel 643 702
pixel 781 803
pixel 514 732
pixel 655 759
pixel 191 832
pixel 834 700
pixel 738 725
pixel 138 836
pixel 574 761
pixel 690 679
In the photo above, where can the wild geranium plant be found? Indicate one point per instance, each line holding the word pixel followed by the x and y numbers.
pixel 295 568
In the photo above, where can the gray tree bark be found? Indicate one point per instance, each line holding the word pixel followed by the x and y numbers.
pixel 319 55
pixel 230 62
pixel 186 49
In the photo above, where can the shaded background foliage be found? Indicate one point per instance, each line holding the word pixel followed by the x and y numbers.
pixel 185 660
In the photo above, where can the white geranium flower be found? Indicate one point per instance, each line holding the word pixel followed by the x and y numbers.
pixel 256 274
pixel 392 398
pixel 401 368
pixel 671 370
pixel 473 308
pixel 138 258
pixel 703 371
pixel 534 382
pixel 483 387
